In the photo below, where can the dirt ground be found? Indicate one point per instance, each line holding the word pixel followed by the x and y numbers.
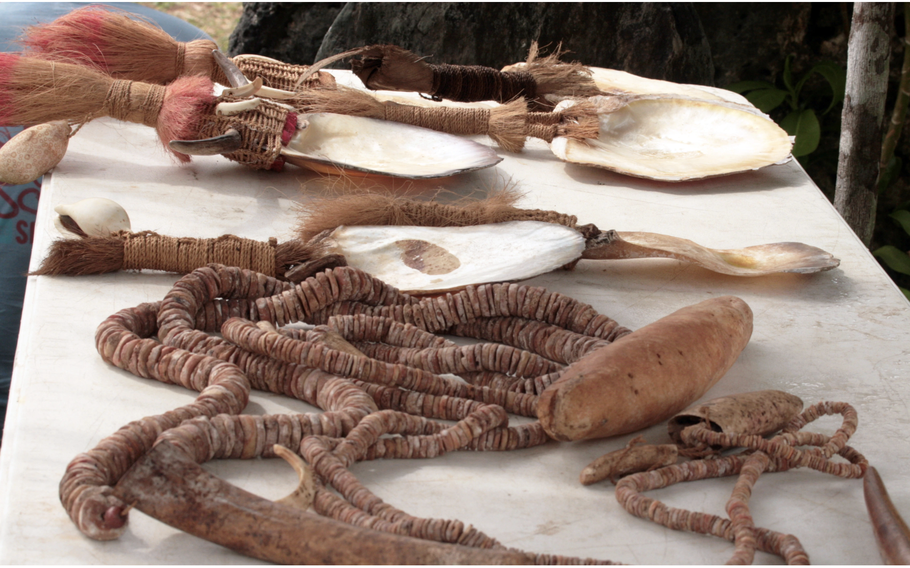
pixel 218 19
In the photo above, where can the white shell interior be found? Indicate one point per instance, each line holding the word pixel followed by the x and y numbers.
pixel 612 80
pixel 678 139
pixel 431 259
pixel 382 147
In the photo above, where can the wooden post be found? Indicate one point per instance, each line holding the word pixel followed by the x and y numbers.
pixel 861 123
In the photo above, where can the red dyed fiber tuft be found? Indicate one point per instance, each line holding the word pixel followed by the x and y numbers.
pixel 290 126
pixel 8 62
pixel 185 102
pixel 79 34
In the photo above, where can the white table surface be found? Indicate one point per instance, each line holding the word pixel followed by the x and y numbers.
pixel 838 335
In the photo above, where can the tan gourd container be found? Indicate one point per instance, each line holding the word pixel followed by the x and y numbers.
pixel 649 375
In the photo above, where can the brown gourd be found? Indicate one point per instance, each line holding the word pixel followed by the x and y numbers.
pixel 649 375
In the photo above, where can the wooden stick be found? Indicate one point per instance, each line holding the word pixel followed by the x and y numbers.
pixel 855 193
pixel 169 486
pixel 891 533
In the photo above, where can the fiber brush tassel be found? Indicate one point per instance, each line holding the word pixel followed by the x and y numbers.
pixel 351 230
pixel 390 67
pixel 122 46
pixel 150 251
pixel 507 124
pixel 34 91
pixel 360 208
pixel 129 48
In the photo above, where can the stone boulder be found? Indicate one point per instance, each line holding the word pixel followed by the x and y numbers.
pixel 657 40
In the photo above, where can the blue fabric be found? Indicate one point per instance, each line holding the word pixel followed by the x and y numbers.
pixel 19 203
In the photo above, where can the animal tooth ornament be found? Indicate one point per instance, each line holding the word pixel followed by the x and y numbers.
pixel 131 49
pixel 254 131
pixel 422 247
pixel 36 91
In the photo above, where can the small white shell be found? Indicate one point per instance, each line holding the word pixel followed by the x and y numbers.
pixel 435 259
pixel 96 216
pixel 333 142
pixel 31 153
pixel 676 138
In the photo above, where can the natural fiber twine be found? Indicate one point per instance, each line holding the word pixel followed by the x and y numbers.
pixel 134 102
pixel 369 208
pixel 443 119
pixel 477 83
pixel 443 214
pixel 179 59
pixel 151 251
pixel 260 131
pixel 279 75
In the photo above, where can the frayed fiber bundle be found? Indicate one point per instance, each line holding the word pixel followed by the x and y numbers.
pixel 34 91
pixel 121 46
pixel 555 77
pixel 362 208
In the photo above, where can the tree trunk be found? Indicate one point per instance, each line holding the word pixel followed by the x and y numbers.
pixel 861 123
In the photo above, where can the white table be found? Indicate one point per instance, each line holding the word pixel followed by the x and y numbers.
pixel 838 335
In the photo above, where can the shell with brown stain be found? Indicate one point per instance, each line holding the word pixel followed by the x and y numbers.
pixel 434 259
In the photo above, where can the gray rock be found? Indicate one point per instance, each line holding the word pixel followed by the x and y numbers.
pixel 286 31
pixel 657 40
pixel 751 40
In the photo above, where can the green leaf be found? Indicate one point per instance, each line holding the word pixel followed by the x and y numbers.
pixel 896 259
pixel 902 216
pixel 808 133
pixel 788 77
pixel 790 122
pixel 837 79
pixel 906 292
pixel 743 86
pixel 766 99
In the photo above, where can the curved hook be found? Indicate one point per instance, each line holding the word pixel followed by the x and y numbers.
pixel 228 142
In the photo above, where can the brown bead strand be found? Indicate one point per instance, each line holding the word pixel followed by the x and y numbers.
pixel 783 447
pixel 216 295
pixel 738 509
pixel 552 342
pixel 467 359
pixel 383 330
pixel 248 336
pixel 777 454
pixel 85 487
pixel 331 466
pixel 628 493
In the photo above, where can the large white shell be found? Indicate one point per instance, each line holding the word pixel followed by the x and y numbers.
pixel 615 82
pixel 95 216
pixel 434 259
pixel 621 82
pixel 333 142
pixel 676 139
